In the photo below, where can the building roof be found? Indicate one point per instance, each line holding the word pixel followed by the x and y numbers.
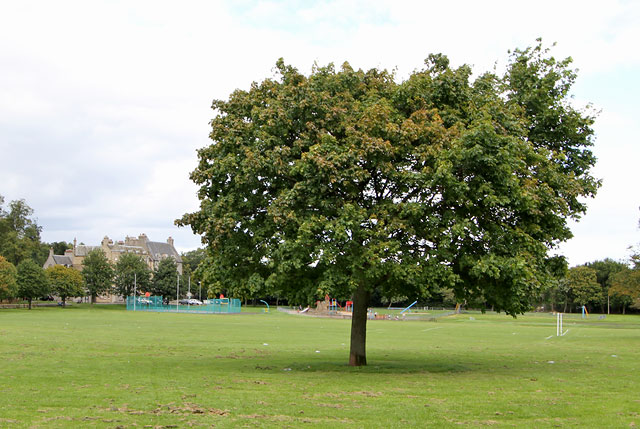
pixel 83 250
pixel 158 249
pixel 62 260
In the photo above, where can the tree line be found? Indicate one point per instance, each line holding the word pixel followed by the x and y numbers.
pixel 602 286
pixel 22 255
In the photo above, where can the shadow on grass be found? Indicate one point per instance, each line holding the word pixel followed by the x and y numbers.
pixel 384 366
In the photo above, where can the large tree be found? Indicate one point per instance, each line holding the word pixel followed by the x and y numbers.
pixel 348 182
pixel 65 282
pixel 585 289
pixel 605 269
pixel 8 279
pixel 131 272
pixel 32 281
pixel 20 233
pixel 97 273
pixel 165 280
pixel 625 288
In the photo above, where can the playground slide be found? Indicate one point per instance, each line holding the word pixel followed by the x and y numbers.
pixel 305 310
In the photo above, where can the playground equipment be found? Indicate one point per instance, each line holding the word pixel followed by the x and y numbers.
pixel 585 313
pixel 414 303
pixel 266 310
pixel 334 305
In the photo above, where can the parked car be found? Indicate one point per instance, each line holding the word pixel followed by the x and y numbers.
pixel 144 301
pixel 190 301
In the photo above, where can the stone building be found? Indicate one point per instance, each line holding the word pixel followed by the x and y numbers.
pixel 152 252
pixel 57 260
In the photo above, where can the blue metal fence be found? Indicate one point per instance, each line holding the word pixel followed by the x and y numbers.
pixel 156 303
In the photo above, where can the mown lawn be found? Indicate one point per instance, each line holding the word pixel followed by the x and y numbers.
pixel 106 367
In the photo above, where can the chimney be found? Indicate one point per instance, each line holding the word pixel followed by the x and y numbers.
pixel 50 251
pixel 170 241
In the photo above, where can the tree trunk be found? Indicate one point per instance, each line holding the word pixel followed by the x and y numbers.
pixel 93 299
pixel 29 303
pixel 357 354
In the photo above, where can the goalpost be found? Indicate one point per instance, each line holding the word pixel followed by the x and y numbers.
pixel 559 330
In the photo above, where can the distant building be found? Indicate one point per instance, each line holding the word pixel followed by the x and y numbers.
pixel 152 252
pixel 57 260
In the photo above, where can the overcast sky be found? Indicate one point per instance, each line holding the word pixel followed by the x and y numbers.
pixel 104 103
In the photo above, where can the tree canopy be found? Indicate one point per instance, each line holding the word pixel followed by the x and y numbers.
pixel 131 270
pixel 20 233
pixel 582 281
pixel 8 276
pixel 97 273
pixel 32 281
pixel 165 279
pixel 65 282
pixel 625 284
pixel 347 181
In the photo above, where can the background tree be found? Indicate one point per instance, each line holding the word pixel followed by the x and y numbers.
pixel 20 233
pixel 59 247
pixel 65 282
pixel 561 296
pixel 8 279
pixel 190 262
pixel 165 280
pixel 605 270
pixel 584 286
pixel 557 293
pixel 190 270
pixel 625 288
pixel 32 281
pixel 97 273
pixel 349 183
pixel 390 300
pixel 131 269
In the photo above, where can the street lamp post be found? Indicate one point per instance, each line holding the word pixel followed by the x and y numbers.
pixel 134 291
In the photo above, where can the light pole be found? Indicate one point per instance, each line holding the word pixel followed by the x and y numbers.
pixel 134 291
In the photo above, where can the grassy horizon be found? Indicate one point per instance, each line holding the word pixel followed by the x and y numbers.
pixel 102 366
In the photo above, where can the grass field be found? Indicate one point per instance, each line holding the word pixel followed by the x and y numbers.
pixel 106 367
